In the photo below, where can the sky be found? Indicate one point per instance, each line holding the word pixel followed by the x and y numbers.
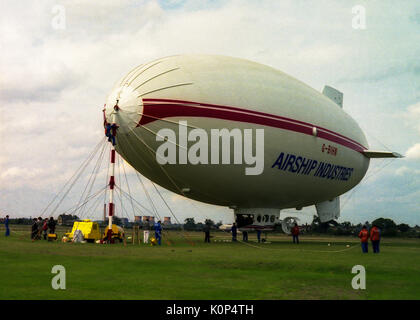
pixel 60 59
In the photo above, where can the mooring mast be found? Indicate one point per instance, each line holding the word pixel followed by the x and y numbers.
pixel 111 132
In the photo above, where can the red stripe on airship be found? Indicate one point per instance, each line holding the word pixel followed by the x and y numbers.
pixel 198 104
pixel 154 109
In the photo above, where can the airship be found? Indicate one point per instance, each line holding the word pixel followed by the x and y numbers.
pixel 231 132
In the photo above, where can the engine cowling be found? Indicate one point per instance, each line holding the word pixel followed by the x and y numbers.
pixel 288 223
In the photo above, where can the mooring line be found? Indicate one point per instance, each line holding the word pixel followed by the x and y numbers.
pixel 307 250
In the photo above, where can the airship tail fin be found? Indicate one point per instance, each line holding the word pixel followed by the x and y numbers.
pixel 381 154
pixel 328 210
pixel 334 95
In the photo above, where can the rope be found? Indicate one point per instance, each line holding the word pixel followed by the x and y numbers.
pixel 138 203
pixel 128 144
pixel 147 195
pixel 94 175
pixel 151 201
pixel 377 140
pixel 95 204
pixel 107 177
pixel 128 186
pixel 176 219
pixel 90 198
pixel 305 250
pixel 76 175
pixel 162 233
pixel 123 210
pixel 119 178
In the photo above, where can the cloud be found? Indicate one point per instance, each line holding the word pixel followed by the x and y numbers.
pixel 414 152
pixel 412 116
pixel 398 68
pixel 37 84
pixel 401 171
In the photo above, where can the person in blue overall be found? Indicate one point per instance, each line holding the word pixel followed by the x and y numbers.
pixel 259 235
pixel 110 132
pixel 158 232
pixel 234 232
pixel 6 224
pixel 245 236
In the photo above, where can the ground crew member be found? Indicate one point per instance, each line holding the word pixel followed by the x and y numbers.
pixel 158 232
pixel 146 228
pixel 207 233
pixel 245 236
pixel 364 239
pixel 40 224
pixel 6 224
pixel 375 237
pixel 234 232
pixel 34 233
pixel 51 225
pixel 295 234
pixel 259 235
pixel 45 228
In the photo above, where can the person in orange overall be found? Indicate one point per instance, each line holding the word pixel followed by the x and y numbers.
pixel 375 237
pixel 364 239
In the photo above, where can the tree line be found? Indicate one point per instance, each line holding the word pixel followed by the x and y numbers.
pixel 387 226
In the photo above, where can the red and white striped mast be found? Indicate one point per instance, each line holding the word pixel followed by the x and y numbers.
pixel 111 206
pixel 111 131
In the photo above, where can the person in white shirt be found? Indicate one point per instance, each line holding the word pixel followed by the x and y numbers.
pixel 146 231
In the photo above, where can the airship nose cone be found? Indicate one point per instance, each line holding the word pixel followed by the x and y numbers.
pixel 124 107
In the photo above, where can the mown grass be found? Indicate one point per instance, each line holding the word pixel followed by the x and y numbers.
pixel 220 270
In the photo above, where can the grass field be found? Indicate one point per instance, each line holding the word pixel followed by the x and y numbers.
pixel 220 270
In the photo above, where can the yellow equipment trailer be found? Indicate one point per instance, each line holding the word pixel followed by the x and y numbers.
pixel 90 230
